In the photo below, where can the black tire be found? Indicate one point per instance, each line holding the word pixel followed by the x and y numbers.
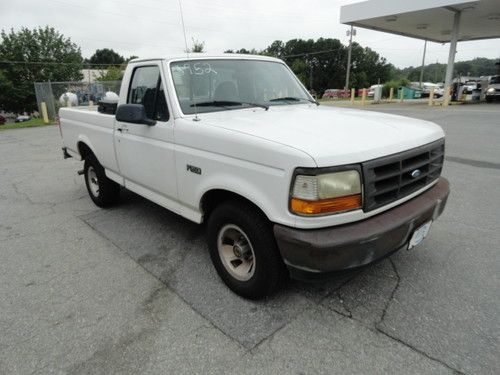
pixel 270 273
pixel 108 192
pixel 489 100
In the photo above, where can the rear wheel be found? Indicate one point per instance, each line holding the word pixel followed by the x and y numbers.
pixel 244 251
pixel 102 190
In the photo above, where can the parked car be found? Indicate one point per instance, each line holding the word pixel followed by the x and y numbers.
pixel 22 118
pixel 285 187
pixel 336 94
pixel 427 87
pixel 439 91
pixel 3 120
pixel 493 90
pixel 371 90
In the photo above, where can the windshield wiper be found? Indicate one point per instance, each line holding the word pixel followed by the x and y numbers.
pixel 228 103
pixel 293 99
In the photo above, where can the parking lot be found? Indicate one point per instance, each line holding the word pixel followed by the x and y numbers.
pixel 131 289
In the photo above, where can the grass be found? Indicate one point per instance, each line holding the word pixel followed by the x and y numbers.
pixel 26 124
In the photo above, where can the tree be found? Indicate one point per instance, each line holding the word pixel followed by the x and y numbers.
pixel 321 64
pixel 102 58
pixel 276 49
pixel 435 72
pixel 29 56
pixel 368 67
pixel 111 74
pixel 198 47
pixel 244 51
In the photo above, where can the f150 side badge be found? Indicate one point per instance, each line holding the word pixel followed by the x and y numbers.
pixel 192 168
pixel 416 173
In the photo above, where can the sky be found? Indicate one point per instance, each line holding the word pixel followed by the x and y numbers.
pixel 154 28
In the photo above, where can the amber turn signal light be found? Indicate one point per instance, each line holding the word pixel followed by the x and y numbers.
pixel 324 206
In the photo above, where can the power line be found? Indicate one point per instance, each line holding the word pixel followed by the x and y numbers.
pixel 53 63
pixel 313 53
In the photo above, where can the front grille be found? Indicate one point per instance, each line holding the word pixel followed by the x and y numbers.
pixel 390 178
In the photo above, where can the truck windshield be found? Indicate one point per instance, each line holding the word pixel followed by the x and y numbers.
pixel 227 84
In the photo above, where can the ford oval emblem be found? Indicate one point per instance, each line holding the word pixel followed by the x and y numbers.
pixel 416 173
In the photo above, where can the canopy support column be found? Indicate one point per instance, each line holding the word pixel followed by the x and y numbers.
pixel 451 58
pixel 423 65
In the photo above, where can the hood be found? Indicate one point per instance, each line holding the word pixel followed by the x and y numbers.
pixel 331 136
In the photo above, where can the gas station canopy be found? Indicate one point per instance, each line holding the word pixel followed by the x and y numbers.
pixel 426 19
pixel 440 21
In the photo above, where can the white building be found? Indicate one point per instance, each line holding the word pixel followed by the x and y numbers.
pixel 92 75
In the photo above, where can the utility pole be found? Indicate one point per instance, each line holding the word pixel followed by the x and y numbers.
pixel 350 34
pixel 423 64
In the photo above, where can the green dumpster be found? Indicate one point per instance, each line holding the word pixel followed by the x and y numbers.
pixel 410 93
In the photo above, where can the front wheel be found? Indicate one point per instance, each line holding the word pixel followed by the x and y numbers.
pixel 243 250
pixel 102 190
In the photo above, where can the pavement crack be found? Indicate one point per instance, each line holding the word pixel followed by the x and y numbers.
pixel 421 352
pixel 379 329
pixel 195 309
pixel 348 312
pixel 393 293
pixel 26 196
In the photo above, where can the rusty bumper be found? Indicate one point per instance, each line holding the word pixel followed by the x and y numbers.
pixel 309 252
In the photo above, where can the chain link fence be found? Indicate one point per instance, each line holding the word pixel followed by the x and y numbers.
pixel 65 94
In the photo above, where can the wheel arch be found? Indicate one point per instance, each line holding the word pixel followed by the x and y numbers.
pixel 84 148
pixel 216 196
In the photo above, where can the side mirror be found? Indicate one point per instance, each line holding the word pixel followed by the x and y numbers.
pixel 134 113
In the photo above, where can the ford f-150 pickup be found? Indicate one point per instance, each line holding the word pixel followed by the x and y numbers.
pixel 285 187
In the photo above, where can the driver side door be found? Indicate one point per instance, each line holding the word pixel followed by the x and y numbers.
pixel 145 153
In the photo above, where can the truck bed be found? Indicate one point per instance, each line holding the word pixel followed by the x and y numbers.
pixel 87 125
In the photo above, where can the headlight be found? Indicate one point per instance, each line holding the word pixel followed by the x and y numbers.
pixel 326 193
pixel 491 90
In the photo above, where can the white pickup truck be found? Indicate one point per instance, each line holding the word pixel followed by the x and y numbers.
pixel 285 187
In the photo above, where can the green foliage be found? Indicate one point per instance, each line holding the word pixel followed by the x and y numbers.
pixel 112 73
pixel 244 51
pixel 395 84
pixel 326 59
pixel 30 56
pixel 103 57
pixel 198 46
pixel 477 67
pixel 34 122
pixel 301 70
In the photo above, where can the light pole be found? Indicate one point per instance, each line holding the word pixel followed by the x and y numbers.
pixel 350 34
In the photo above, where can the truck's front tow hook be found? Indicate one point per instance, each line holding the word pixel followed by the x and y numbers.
pixel 80 172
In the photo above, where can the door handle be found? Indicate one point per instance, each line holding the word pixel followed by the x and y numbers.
pixel 122 129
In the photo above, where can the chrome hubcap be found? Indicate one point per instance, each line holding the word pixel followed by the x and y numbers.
pixel 93 181
pixel 236 252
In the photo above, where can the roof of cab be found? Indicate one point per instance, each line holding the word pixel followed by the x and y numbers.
pixel 198 56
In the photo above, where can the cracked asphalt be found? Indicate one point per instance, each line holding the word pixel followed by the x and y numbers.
pixel 131 289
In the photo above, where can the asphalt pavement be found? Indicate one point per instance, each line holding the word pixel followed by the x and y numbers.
pixel 131 289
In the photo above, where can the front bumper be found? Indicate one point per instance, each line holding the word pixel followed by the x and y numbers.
pixel 309 252
pixel 493 96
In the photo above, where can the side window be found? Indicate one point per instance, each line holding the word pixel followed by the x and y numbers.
pixel 146 88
